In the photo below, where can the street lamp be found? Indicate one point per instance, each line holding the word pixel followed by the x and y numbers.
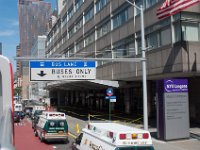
pixel 144 74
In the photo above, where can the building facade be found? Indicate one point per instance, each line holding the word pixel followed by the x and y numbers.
pixel 33 19
pixel 18 63
pixel 111 29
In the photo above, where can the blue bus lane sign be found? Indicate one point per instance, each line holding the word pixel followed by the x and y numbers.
pixel 62 70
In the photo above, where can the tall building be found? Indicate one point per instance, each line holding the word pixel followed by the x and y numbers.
pixel 0 48
pixel 18 63
pixel 111 29
pixel 33 20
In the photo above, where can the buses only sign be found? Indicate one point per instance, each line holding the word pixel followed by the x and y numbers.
pixel 62 70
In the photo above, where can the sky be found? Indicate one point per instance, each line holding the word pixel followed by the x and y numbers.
pixel 9 28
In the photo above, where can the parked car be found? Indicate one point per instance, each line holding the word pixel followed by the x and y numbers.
pixel 16 116
pixel 35 117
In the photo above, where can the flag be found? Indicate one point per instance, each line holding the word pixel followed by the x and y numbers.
pixel 171 7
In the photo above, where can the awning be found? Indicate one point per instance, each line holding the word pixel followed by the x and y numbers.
pixel 82 84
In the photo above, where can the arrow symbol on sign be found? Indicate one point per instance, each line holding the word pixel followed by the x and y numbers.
pixel 41 73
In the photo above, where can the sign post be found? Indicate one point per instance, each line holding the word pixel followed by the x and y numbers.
pixel 110 97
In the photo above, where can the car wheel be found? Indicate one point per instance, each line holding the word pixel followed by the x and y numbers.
pixel 41 139
pixel 35 133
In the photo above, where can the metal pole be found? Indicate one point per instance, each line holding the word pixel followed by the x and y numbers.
pixel 109 110
pixel 144 74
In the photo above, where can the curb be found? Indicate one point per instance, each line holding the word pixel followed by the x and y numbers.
pixel 194 135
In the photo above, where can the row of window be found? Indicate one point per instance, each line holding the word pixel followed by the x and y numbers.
pixel 157 35
pixel 89 13
pixel 126 48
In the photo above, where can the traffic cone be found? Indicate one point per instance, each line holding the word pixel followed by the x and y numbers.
pixel 77 128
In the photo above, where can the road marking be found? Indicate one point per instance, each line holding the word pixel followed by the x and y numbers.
pixel 54 147
pixel 72 135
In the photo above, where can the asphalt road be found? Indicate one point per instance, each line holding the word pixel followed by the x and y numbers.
pixel 25 139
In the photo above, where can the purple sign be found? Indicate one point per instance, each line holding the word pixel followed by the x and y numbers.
pixel 175 85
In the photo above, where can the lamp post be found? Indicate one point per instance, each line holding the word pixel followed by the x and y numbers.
pixel 144 74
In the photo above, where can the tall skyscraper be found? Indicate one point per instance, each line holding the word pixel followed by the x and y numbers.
pixel 33 19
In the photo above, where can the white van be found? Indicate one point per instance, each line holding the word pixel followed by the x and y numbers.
pixel 18 107
pixel 112 136
pixel 52 126
pixel 37 110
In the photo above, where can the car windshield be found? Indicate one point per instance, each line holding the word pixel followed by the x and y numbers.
pixel 38 112
pixel 16 113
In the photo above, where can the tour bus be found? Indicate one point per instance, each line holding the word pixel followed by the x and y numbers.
pixel 112 136
pixel 52 126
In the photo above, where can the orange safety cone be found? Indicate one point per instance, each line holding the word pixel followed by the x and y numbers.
pixel 77 128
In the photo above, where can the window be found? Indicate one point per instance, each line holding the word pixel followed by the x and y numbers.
pixel 79 45
pixel 89 39
pixel 70 13
pixel 149 3
pixel 101 31
pixel 120 18
pixel 124 48
pixel 89 14
pixel 71 32
pixel 177 28
pixel 138 3
pixel 79 24
pixel 78 4
pixel 100 4
pixel 71 51
pixel 190 31
pixel 152 40
pixel 165 36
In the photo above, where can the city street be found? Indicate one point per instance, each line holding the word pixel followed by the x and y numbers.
pixel 25 139
pixel 67 63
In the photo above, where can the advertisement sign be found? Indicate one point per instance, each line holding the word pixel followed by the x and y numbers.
pixel 175 85
pixel 173 109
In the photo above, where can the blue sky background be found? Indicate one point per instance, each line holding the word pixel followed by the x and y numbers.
pixel 9 28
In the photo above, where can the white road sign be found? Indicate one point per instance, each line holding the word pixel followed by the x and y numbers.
pixel 62 70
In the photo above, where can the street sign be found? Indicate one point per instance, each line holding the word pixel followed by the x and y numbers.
pixel 109 91
pixel 110 97
pixel 62 70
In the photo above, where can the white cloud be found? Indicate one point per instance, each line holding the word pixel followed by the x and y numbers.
pixel 14 22
pixel 7 32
